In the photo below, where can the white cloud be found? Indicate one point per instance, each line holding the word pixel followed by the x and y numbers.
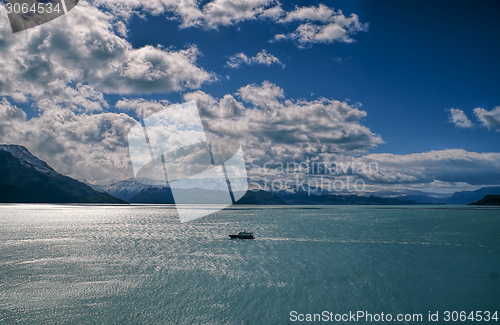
pixel 229 12
pixel 274 12
pixel 490 119
pixel 80 98
pixel 121 28
pixel 279 129
pixel 142 108
pixel 153 70
pixel 271 128
pixel 237 60
pixel 266 58
pixel 266 96
pixel 321 13
pixel 9 116
pixel 279 37
pixel 322 25
pixel 65 67
pixel 83 48
pixel 83 146
pixel 19 97
pixel 459 119
pixel 262 57
pixel 310 33
pixel 212 15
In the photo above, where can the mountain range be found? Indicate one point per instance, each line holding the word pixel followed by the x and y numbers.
pixel 261 191
pixel 26 179
pixel 466 197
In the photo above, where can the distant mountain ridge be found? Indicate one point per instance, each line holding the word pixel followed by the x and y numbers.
pixel 259 192
pixel 130 189
pixel 164 196
pixel 492 200
pixel 26 179
pixel 466 197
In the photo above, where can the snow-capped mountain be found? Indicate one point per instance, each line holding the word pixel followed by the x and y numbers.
pixel 129 188
pixel 26 158
pixel 126 189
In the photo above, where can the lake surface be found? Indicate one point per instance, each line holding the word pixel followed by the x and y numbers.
pixel 95 264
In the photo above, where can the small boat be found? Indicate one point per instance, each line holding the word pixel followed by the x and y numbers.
pixel 243 235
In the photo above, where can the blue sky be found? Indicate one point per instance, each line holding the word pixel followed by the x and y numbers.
pixel 334 81
pixel 417 60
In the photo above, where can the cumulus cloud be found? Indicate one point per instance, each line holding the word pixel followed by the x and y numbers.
pixel 142 108
pixel 489 119
pixel 228 12
pixel 321 13
pixel 94 146
pixel 90 144
pixel 266 58
pixel 150 70
pixel 211 15
pixel 235 61
pixel 266 96
pixel 9 116
pixel 459 119
pixel 64 68
pixel 262 57
pixel 279 37
pixel 83 146
pixel 19 97
pixel 321 25
pixel 82 48
pixel 274 12
pixel 275 128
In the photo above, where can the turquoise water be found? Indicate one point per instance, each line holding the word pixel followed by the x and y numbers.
pixel 139 265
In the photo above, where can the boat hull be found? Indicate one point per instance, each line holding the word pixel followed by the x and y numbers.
pixel 241 237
